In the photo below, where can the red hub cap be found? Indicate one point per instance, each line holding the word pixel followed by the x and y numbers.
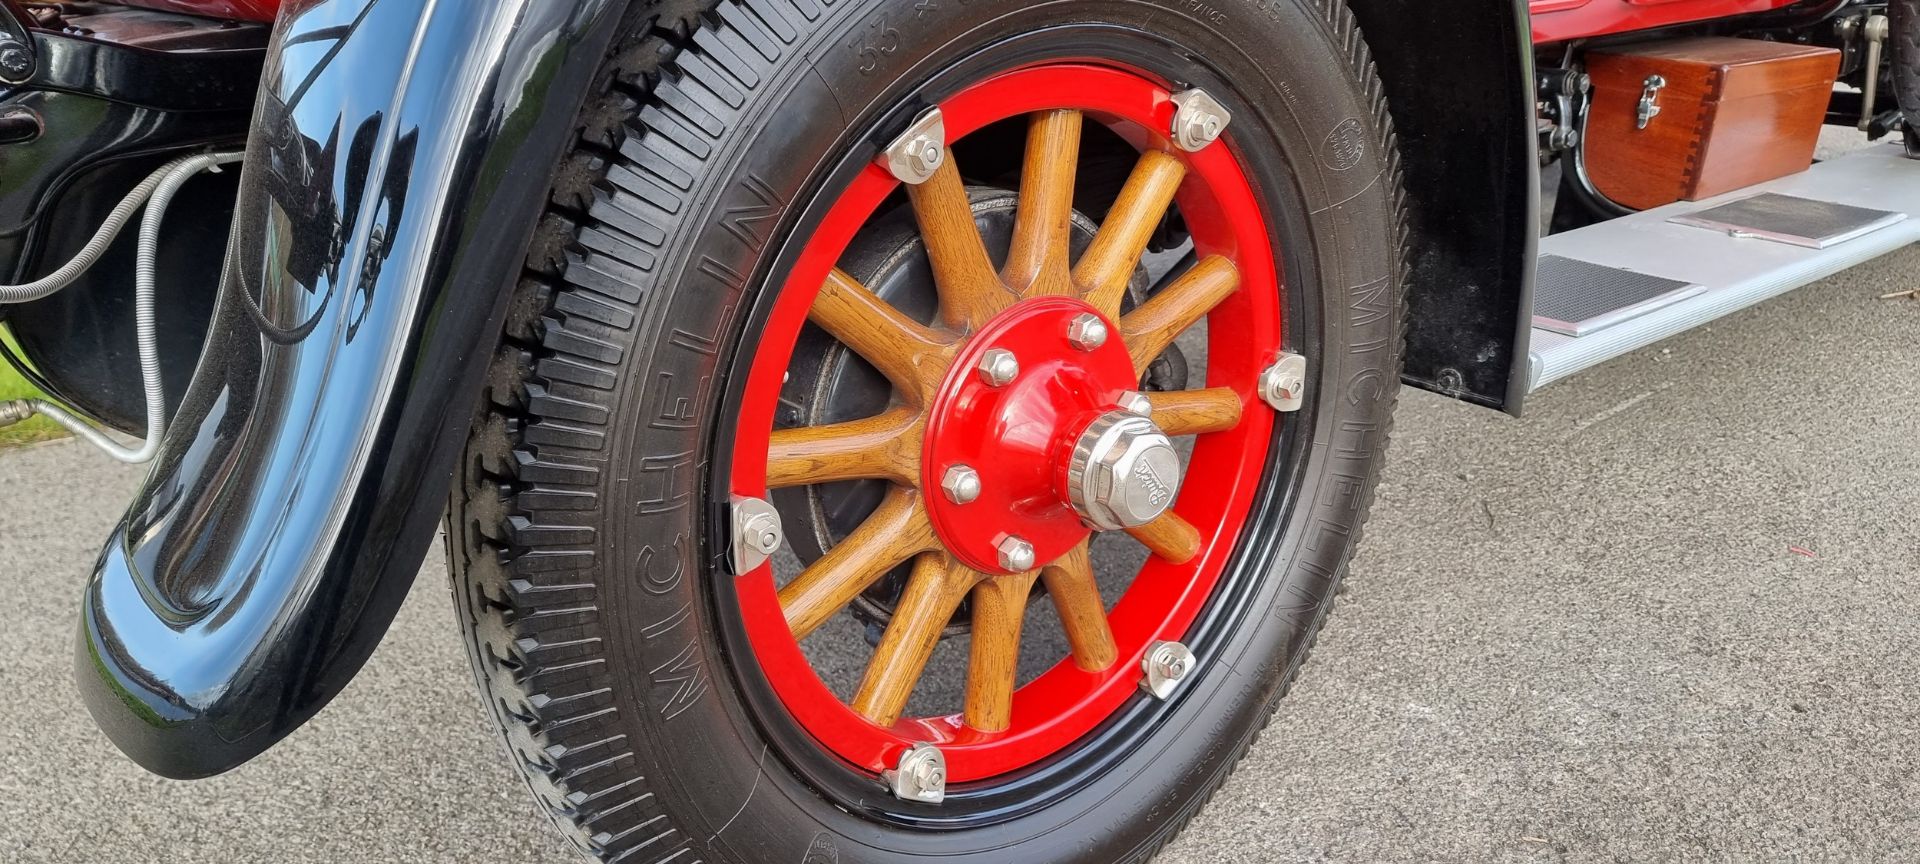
pixel 1016 436
pixel 1006 384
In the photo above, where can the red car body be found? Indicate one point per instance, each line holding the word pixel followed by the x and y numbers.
pixel 1553 20
pixel 1561 20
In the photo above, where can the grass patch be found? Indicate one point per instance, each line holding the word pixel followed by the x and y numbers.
pixel 12 386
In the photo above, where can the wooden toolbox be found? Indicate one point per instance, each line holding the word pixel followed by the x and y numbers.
pixel 1693 118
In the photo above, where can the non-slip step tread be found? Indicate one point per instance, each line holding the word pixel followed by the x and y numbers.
pixel 1577 297
pixel 1734 272
pixel 1809 222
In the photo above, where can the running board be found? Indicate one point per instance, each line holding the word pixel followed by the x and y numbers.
pixel 1627 283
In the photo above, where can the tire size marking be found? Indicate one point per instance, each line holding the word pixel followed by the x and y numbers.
pixel 873 44
pixel 1205 10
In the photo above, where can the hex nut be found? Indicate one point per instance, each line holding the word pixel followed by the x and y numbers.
pixel 1086 331
pixel 961 484
pixel 1016 555
pixel 1164 666
pixel 757 534
pixel 1124 472
pixel 998 367
pixel 918 153
pixel 1199 119
pixel 1284 384
pixel 920 776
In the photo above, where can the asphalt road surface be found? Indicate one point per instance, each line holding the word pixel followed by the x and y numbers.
pixel 1673 614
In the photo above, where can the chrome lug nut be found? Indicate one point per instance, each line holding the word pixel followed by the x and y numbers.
pixel 961 483
pixel 998 367
pixel 756 534
pixel 913 157
pixel 1086 331
pixel 1016 555
pixel 1164 666
pixel 1136 403
pixel 1284 384
pixel 921 775
pixel 1199 120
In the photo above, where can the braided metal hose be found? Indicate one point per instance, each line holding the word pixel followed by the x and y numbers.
pixel 156 194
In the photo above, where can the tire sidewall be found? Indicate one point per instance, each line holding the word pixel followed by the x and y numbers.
pixel 1326 174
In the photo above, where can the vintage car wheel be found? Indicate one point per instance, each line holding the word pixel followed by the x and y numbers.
pixel 1024 470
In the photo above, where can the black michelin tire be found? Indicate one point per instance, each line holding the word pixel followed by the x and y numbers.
pixel 584 554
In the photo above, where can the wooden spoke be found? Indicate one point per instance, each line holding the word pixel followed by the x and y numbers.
pixel 933 592
pixel 999 607
pixel 908 353
pixel 1076 597
pixel 1195 412
pixel 1043 228
pixel 1108 264
pixel 886 447
pixel 898 530
pixel 1149 329
pixel 1170 537
pixel 970 290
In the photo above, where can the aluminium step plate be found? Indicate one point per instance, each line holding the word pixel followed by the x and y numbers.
pixel 1807 222
pixel 1577 297
pixel 1735 272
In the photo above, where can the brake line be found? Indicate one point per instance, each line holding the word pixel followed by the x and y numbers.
pixel 155 194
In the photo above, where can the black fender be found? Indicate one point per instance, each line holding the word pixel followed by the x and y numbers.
pixel 399 155
pixel 1459 83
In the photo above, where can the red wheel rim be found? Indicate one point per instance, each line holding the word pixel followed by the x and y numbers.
pixel 1244 336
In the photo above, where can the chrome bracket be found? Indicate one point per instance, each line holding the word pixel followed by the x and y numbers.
pixel 913 157
pixel 1284 384
pixel 1649 101
pixel 1165 665
pixel 921 775
pixel 756 534
pixel 1199 119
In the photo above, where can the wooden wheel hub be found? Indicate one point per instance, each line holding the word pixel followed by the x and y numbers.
pixel 1020 436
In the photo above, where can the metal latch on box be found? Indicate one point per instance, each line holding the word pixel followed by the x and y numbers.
pixel 1650 100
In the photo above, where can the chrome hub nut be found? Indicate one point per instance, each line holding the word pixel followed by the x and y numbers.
pixel 1135 402
pixel 1124 472
pixel 961 484
pixel 998 367
pixel 1086 331
pixel 1016 555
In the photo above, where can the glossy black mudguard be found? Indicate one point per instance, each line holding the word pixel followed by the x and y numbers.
pixel 400 154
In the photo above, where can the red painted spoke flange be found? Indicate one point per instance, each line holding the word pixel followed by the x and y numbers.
pixel 1015 436
pixel 1004 432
